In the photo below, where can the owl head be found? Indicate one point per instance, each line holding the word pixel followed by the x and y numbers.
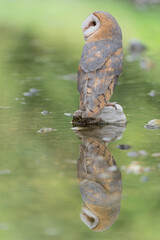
pixel 101 25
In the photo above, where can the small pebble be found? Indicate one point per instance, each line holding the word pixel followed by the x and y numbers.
pixel 28 94
pixel 6 171
pixel 143 153
pixel 152 93
pixel 147 64
pixel 153 124
pixel 4 226
pixel 68 114
pixel 134 168
pixel 5 107
pixel 46 130
pixel 124 146
pixel 144 179
pixel 155 154
pixel 136 46
pixel 33 90
pixel 147 169
pixel 45 112
pixel 133 154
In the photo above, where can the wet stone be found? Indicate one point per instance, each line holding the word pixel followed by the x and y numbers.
pixel 44 112
pixel 153 124
pixel 46 130
pixel 109 115
pixel 5 107
pixel 32 92
pixel 68 114
pixel 133 154
pixel 155 154
pixel 28 94
pixel 135 168
pixel 5 171
pixel 143 153
pixel 136 47
pixel 147 169
pixel 144 179
pixel 147 64
pixel 124 146
pixel 4 226
pixel 153 93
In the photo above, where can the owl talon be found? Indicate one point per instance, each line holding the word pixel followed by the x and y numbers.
pixel 112 105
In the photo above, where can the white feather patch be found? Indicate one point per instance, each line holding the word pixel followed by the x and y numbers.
pixel 86 212
pixel 92 29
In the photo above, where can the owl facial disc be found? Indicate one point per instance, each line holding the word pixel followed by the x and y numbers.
pixel 89 218
pixel 90 26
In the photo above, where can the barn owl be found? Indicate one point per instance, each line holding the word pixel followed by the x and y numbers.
pixel 99 179
pixel 100 65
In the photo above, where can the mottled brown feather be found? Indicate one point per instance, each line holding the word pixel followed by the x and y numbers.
pixel 96 88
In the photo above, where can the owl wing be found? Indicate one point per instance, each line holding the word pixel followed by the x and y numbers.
pixel 96 87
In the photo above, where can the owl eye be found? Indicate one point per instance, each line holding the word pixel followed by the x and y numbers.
pixel 93 23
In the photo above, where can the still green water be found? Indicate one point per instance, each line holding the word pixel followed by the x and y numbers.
pixel 39 189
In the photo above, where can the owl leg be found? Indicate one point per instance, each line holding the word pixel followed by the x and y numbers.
pixel 96 103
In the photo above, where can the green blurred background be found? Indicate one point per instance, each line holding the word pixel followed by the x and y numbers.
pixel 40 47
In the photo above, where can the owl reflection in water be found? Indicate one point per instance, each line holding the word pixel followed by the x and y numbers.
pixel 100 65
pixel 99 178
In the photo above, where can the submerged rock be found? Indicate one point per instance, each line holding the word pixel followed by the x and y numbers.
pixel 155 154
pixel 144 179
pixel 135 168
pixel 136 46
pixel 32 92
pixel 5 171
pixel 68 114
pixel 142 153
pixel 147 64
pixel 153 124
pixel 44 112
pixel 113 115
pixel 153 93
pixel 133 154
pixel 46 130
pixel 124 146
pixel 109 115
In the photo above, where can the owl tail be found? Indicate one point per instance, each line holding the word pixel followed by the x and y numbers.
pixel 99 103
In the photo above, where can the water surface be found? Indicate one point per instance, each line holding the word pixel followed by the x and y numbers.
pixel 41 197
